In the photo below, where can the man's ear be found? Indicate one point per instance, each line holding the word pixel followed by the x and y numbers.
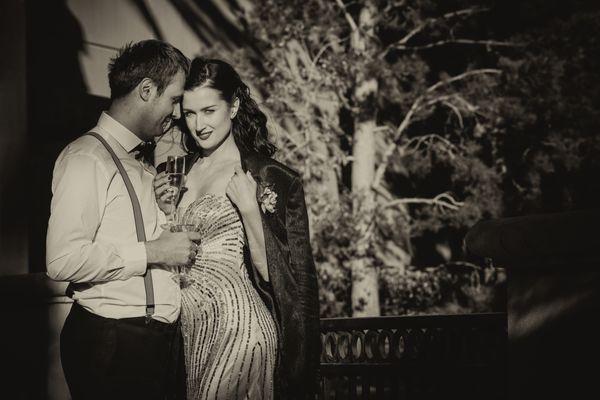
pixel 146 88
pixel 235 107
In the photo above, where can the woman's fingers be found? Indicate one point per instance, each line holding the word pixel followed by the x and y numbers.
pixel 160 190
pixel 231 188
pixel 165 197
pixel 161 180
pixel 161 184
pixel 168 194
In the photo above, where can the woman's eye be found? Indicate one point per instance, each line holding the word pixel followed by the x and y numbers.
pixel 209 111
pixel 188 114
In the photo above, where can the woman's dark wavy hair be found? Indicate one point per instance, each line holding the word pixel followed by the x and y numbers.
pixel 249 126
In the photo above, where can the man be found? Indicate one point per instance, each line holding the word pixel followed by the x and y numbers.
pixel 114 344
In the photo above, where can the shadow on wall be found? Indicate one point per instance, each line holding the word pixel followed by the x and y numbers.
pixel 34 311
pixel 59 107
pixel 210 24
pixel 13 139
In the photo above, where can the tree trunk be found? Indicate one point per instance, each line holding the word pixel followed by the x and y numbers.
pixel 365 285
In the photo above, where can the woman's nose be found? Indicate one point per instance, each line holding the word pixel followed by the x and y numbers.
pixel 199 123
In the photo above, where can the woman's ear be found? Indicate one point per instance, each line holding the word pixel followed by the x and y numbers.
pixel 235 107
pixel 145 89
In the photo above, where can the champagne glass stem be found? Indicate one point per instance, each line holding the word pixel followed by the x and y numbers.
pixel 172 207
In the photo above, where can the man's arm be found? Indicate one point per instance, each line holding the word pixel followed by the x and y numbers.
pixel 80 186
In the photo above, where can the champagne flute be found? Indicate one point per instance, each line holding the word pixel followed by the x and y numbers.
pixel 175 170
pixel 183 276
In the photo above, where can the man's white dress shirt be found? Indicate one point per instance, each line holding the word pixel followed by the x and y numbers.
pixel 91 233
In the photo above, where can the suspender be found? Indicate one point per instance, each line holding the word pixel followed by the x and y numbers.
pixel 139 222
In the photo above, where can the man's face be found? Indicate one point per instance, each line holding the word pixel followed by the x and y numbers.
pixel 164 108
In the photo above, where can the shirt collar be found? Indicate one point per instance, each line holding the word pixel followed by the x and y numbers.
pixel 124 136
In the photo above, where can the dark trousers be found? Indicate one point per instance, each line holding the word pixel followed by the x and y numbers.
pixel 106 358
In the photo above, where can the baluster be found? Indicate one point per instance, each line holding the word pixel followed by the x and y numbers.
pixel 339 388
pixel 356 345
pixel 379 387
pixel 352 387
pixel 366 386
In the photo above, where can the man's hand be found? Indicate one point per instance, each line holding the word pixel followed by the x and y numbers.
pixel 173 248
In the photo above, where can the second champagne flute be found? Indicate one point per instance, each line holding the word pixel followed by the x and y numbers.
pixel 182 224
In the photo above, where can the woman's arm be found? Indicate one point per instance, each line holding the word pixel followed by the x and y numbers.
pixel 256 240
pixel 242 192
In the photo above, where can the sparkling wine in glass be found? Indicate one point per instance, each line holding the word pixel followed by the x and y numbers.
pixel 175 170
pixel 183 276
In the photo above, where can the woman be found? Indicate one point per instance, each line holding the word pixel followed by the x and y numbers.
pixel 250 315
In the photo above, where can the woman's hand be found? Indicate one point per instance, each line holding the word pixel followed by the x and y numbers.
pixel 164 193
pixel 241 190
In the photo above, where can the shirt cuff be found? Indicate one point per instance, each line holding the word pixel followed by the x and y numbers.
pixel 134 258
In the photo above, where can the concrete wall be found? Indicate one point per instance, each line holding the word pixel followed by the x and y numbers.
pixel 53 84
pixel 69 45
pixel 109 24
pixel 34 310
pixel 13 139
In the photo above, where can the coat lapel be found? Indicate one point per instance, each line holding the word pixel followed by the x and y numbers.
pixel 258 167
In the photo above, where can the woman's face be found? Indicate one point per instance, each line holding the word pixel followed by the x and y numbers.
pixel 208 117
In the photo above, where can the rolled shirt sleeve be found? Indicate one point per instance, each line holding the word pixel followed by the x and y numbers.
pixel 80 186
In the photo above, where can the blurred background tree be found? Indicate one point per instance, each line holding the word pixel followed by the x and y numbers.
pixel 410 120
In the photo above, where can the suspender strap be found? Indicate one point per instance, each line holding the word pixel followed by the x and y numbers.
pixel 139 221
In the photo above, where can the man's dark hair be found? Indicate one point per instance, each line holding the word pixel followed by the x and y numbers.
pixel 152 59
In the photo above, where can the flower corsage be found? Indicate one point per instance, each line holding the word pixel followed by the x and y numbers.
pixel 267 198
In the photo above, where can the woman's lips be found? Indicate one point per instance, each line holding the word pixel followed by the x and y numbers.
pixel 203 135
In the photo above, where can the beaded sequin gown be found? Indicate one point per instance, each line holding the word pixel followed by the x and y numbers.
pixel 229 335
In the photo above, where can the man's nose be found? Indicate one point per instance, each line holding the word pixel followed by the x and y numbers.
pixel 176 112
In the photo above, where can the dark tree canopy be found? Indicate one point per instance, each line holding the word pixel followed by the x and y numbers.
pixel 476 110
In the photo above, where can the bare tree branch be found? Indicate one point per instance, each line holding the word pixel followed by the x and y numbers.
pixel 487 43
pixel 348 17
pixel 431 21
pixel 470 107
pixel 428 22
pixel 321 51
pixel 463 76
pixel 443 200
pixel 456 112
pixel 461 264
pixel 417 105
pixel 429 139
pixel 383 192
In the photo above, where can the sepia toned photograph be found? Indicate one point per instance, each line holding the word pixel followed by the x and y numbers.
pixel 282 199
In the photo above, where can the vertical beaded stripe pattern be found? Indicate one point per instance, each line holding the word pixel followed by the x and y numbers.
pixel 229 335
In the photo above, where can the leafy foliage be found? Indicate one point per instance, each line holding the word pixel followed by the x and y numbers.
pixel 473 119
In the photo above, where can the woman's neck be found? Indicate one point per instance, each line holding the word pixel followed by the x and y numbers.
pixel 226 151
